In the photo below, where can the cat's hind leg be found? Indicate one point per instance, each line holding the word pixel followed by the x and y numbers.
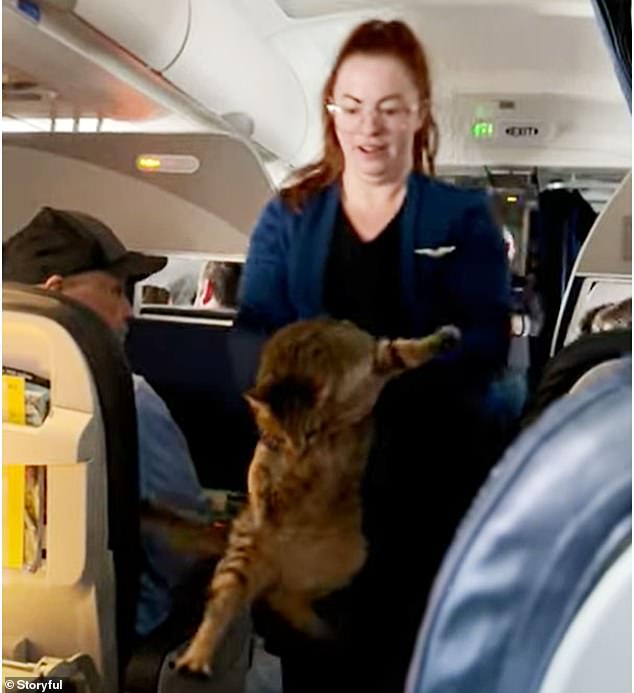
pixel 296 608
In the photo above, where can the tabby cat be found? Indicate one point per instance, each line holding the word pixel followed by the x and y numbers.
pixel 299 536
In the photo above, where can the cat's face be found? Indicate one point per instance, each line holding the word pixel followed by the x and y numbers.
pixel 310 372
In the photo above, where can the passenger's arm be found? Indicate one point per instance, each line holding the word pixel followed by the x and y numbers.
pixel 480 290
pixel 167 474
pixel 264 300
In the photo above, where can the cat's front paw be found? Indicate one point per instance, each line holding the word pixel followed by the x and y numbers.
pixel 449 336
pixel 198 655
pixel 194 660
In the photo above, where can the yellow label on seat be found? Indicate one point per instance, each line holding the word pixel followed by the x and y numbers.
pixel 13 399
pixel 13 477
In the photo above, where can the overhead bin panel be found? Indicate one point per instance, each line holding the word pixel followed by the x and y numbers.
pixel 78 76
pixel 152 30
pixel 223 50
pixel 163 206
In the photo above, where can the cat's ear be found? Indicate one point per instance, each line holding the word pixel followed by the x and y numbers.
pixel 276 398
pixel 259 407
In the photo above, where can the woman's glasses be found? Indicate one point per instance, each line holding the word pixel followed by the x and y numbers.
pixel 349 117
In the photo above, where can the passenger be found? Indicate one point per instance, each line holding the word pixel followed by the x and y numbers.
pixel 218 285
pixel 183 290
pixel 608 316
pixel 367 234
pixel 78 255
pixel 156 295
pixel 507 396
pixel 605 334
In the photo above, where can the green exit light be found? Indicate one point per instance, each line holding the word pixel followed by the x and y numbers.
pixel 481 130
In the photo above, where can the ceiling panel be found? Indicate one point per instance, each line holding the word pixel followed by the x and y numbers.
pixel 310 9
pixel 549 55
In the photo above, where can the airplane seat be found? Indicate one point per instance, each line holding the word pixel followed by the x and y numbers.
pixel 152 669
pixel 570 364
pixel 79 590
pixel 586 294
pixel 595 374
pixel 594 652
pixel 534 594
pixel 70 588
pixel 190 366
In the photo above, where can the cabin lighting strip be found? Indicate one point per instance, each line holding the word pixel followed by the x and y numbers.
pixel 167 163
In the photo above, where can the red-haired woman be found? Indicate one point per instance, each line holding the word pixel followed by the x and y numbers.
pixel 367 234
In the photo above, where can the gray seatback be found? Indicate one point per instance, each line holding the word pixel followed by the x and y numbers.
pixel 553 517
pixel 81 597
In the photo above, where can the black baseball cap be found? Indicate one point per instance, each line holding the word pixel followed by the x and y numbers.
pixel 64 242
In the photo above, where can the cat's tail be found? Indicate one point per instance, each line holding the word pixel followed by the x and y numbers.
pixel 185 535
pixel 398 355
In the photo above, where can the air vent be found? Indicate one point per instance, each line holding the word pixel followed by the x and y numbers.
pixel 26 91
pixel 512 179
pixel 18 85
pixel 22 97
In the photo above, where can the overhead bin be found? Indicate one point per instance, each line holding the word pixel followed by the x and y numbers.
pixel 153 30
pixel 223 50
pixel 211 209
pixel 78 70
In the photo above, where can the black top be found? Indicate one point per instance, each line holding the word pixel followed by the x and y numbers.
pixel 362 278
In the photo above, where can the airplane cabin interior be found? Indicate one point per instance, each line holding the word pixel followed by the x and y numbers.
pixel 174 122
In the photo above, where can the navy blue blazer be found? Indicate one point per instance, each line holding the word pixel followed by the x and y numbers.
pixel 453 266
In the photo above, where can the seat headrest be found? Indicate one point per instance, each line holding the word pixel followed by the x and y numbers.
pixel 552 517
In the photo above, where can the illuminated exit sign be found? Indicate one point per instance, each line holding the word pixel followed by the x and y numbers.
pixel 508 133
pixel 482 130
